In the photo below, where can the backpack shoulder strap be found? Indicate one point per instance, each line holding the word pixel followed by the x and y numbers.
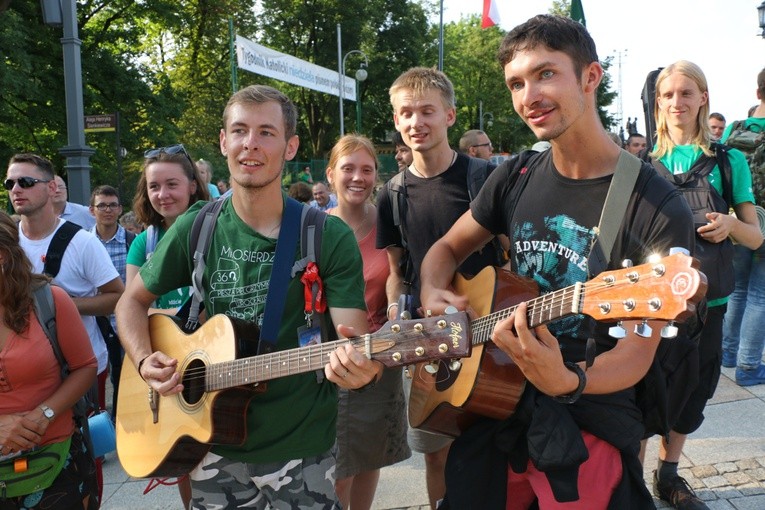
pixel 45 309
pixel 129 238
pixel 57 247
pixel 397 188
pixel 200 239
pixel 311 230
pixel 723 164
pixel 478 171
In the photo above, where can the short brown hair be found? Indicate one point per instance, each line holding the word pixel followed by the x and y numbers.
pixel 42 164
pixel 259 94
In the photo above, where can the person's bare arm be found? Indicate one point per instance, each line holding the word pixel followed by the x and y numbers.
pixel 157 369
pixel 347 367
pixel 744 227
pixel 394 285
pixel 443 259
pixel 102 303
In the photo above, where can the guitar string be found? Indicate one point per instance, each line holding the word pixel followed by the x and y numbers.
pixel 541 305
pixel 275 362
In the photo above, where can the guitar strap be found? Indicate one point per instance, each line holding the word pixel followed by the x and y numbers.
pixel 612 215
pixel 286 246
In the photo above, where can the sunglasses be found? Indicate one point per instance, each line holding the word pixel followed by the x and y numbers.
pixel 170 149
pixel 24 182
pixel 487 144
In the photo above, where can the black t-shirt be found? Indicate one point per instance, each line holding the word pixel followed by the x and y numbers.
pixel 552 226
pixel 433 206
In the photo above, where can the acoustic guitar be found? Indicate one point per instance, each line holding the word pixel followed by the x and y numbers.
pixel 448 398
pixel 167 436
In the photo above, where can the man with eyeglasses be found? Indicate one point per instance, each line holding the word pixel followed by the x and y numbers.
pixel 287 458
pixel 106 209
pixel 476 143
pixel 69 211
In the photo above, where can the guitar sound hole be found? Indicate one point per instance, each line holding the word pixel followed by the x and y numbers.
pixel 194 382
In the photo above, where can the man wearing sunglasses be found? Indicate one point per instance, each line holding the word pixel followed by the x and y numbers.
pixel 287 456
pixel 69 211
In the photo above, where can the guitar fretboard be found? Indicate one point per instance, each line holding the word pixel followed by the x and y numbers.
pixel 540 310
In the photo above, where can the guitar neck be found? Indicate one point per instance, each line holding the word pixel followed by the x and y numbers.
pixel 540 310
pixel 245 371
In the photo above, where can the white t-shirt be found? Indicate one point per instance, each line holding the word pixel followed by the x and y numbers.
pixel 85 266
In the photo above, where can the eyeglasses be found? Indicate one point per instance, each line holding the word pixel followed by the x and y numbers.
pixel 170 149
pixel 487 144
pixel 107 207
pixel 24 182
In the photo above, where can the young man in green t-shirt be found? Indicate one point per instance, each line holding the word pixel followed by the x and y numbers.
pixel 288 454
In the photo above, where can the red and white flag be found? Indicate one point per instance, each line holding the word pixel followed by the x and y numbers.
pixel 490 14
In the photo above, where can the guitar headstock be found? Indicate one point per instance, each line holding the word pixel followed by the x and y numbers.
pixel 404 342
pixel 668 289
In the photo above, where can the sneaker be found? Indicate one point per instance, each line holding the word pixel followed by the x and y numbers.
pixel 729 359
pixel 677 493
pixel 750 377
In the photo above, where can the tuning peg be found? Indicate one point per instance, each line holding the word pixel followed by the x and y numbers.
pixel 670 330
pixel 617 331
pixel 407 373
pixel 643 329
pixel 405 315
pixel 428 314
pixel 455 365
pixel 627 263
pixel 431 368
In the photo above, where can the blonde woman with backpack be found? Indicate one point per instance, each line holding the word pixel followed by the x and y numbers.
pixel 683 151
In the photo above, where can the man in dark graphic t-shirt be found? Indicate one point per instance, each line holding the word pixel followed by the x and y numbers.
pixel 576 432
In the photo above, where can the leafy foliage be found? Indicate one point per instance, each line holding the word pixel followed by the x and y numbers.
pixel 165 67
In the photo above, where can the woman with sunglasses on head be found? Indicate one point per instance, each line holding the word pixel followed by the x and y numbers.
pixel 168 185
pixel 683 150
pixel 371 424
pixel 35 404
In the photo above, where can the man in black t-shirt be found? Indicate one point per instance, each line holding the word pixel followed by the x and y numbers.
pixel 552 70
pixel 436 195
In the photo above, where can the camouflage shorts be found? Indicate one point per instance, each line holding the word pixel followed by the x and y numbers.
pixel 219 483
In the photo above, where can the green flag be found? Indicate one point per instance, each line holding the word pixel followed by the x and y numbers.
pixel 577 12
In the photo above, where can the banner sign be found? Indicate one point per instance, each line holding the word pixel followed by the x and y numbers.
pixel 267 62
pixel 99 123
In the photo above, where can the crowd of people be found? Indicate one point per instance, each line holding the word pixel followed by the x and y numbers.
pixel 319 439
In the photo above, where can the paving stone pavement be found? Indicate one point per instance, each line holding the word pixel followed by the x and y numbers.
pixel 724 462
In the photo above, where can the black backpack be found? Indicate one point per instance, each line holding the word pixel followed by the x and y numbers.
pixel 716 258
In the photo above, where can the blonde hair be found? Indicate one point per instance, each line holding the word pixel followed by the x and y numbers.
pixel 422 79
pixel 349 144
pixel 664 144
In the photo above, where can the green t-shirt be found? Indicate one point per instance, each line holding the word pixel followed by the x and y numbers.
pixel 682 158
pixel 137 257
pixel 295 417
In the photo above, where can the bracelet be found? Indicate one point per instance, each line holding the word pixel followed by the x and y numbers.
pixel 387 311
pixel 573 397
pixel 140 364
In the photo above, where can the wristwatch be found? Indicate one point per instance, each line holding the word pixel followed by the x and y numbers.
pixel 48 412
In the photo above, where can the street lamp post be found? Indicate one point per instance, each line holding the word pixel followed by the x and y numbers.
pixel 481 115
pixel 64 12
pixel 761 15
pixel 361 75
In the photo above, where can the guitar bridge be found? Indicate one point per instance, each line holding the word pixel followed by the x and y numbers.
pixel 154 405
